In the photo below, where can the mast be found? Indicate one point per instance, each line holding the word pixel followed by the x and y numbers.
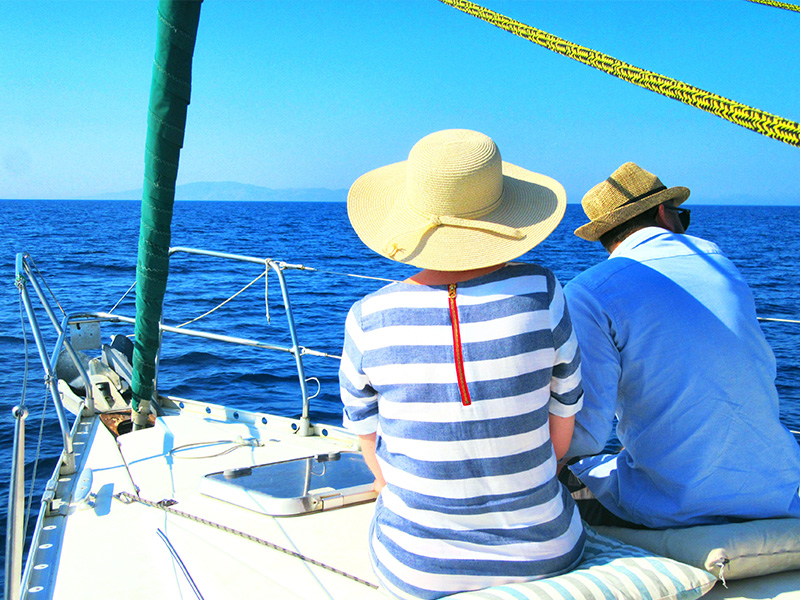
pixel 170 92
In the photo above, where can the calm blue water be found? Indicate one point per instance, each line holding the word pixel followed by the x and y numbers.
pixel 87 252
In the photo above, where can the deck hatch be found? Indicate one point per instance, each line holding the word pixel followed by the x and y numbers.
pixel 295 487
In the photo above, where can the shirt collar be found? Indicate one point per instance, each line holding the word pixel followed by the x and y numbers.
pixel 637 238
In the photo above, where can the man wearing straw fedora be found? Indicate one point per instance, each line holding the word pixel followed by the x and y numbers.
pixel 672 348
pixel 462 381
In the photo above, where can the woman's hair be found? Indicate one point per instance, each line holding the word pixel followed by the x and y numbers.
pixel 620 232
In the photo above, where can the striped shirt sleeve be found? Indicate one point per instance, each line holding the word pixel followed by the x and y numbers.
pixel 359 398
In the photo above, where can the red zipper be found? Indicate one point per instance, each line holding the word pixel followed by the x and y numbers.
pixel 459 355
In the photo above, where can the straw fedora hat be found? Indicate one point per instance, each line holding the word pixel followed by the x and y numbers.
pixel 627 193
pixel 454 205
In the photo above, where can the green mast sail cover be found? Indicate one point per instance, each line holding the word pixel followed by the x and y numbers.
pixel 170 92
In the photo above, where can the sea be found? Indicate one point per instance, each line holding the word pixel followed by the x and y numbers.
pixel 86 253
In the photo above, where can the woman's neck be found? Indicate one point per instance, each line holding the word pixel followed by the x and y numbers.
pixel 431 277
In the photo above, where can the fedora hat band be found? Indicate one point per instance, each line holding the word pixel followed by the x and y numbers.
pixel 393 247
pixel 643 196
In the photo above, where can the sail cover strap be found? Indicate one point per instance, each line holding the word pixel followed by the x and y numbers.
pixel 170 93
pixel 754 119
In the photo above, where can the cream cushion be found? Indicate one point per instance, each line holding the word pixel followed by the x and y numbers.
pixel 732 551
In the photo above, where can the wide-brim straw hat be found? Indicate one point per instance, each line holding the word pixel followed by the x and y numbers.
pixel 627 193
pixel 454 205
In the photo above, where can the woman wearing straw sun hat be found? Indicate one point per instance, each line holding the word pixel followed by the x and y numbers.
pixel 462 381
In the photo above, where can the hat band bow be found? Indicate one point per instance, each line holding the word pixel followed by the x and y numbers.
pixel 393 246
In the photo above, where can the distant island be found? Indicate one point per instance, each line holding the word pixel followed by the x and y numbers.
pixel 243 192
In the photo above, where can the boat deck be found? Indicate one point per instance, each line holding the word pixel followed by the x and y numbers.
pixel 169 555
pixel 221 564
pixel 779 586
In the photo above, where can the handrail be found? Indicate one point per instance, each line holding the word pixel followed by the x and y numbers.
pixel 304 428
pixel 25 276
pixel 24 268
pixel 218 337
pixel 47 363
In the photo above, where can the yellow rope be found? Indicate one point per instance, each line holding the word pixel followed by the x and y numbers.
pixel 754 119
pixel 785 5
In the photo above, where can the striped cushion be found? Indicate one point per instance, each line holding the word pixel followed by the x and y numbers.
pixel 610 570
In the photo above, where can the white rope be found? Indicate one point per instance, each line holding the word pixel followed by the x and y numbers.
pixel 223 303
pixel 778 320
pixel 266 287
pixel 239 442
pixel 357 276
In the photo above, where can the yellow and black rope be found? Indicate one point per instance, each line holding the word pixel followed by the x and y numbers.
pixel 754 119
pixel 784 5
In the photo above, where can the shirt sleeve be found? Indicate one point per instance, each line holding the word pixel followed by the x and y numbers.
pixel 359 398
pixel 566 392
pixel 600 369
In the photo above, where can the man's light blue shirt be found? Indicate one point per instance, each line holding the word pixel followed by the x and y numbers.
pixel 671 345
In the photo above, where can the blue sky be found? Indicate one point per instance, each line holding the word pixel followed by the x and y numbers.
pixel 314 93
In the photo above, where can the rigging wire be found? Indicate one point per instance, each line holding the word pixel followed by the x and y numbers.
pixel 748 117
pixel 36 460
pixel 42 279
pixel 20 282
pixel 128 291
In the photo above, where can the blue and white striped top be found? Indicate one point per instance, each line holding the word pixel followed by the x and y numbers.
pixel 472 498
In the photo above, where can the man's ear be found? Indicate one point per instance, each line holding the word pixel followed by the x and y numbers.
pixel 663 219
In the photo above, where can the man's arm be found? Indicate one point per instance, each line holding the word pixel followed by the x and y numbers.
pixel 600 370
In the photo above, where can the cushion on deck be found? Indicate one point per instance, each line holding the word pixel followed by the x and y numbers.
pixel 732 551
pixel 610 570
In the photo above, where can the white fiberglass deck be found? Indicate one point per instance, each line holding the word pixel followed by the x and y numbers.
pixel 113 549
